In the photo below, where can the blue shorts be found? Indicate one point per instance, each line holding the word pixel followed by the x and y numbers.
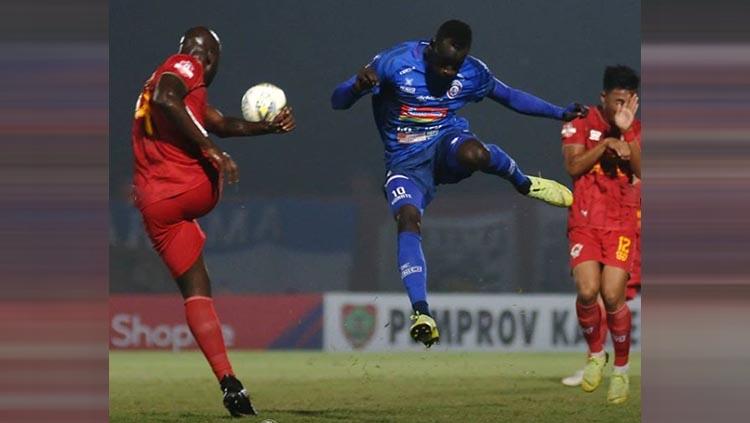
pixel 415 182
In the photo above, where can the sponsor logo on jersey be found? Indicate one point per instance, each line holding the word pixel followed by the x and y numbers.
pixel 410 90
pixel 568 130
pixel 415 137
pixel 406 70
pixel 359 323
pixel 185 68
pixel 595 135
pixel 455 89
pixel 422 114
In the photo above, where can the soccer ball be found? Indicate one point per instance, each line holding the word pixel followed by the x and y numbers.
pixel 262 102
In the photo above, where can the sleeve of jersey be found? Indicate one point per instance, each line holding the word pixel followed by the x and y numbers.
pixel 187 68
pixel 344 97
pixel 523 102
pixel 486 82
pixel 574 132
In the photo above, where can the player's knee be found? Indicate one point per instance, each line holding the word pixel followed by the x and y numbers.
pixel 588 291
pixel 613 300
pixel 473 155
pixel 409 219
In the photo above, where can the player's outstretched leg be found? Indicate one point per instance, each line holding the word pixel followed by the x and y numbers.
pixel 204 324
pixel 619 321
pixel 413 268
pixel 491 159
pixel 588 281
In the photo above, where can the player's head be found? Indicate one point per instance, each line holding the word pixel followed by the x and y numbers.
pixel 448 49
pixel 620 83
pixel 205 45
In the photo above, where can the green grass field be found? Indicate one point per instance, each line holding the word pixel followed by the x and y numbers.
pixel 346 387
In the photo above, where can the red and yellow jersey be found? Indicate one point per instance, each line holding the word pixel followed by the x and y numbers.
pixel 165 162
pixel 604 197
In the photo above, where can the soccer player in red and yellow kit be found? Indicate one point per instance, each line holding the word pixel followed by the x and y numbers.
pixel 633 288
pixel 178 177
pixel 603 156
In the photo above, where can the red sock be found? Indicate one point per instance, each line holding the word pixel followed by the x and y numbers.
pixel 590 317
pixel 619 324
pixel 204 324
pixel 603 327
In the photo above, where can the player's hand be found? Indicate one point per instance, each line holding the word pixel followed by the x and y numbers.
pixel 366 79
pixel 224 164
pixel 573 111
pixel 620 147
pixel 283 122
pixel 625 113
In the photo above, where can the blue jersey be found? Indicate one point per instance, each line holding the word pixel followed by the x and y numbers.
pixel 408 117
pixel 411 119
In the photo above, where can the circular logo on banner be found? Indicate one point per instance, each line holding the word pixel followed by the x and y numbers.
pixel 455 88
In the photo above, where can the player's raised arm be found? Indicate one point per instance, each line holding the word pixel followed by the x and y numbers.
pixel 169 95
pixel 625 121
pixel 528 104
pixel 354 88
pixel 225 126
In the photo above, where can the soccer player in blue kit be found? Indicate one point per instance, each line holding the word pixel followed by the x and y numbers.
pixel 417 87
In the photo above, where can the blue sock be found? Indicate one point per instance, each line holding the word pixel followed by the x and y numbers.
pixel 502 165
pixel 413 269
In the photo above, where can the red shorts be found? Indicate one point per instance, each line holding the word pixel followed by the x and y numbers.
pixel 609 247
pixel 174 232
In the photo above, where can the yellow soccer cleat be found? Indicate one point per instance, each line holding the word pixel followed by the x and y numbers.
pixel 592 373
pixel 424 329
pixel 550 192
pixel 619 385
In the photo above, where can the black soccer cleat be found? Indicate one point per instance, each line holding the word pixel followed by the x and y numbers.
pixel 236 399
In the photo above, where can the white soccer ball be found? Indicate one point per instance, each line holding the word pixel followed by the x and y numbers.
pixel 262 102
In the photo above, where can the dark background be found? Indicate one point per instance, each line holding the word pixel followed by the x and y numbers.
pixel 551 49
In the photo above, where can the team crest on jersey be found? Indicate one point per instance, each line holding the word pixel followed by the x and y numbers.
pixel 455 89
pixel 185 68
pixel 358 322
pixel 595 135
pixel 568 130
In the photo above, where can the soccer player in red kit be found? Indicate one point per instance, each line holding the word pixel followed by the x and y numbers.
pixel 178 177
pixel 633 288
pixel 603 156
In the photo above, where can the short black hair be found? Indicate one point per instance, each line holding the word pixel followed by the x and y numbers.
pixel 620 77
pixel 456 31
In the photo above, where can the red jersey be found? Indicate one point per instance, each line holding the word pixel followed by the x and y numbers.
pixel 166 163
pixel 604 197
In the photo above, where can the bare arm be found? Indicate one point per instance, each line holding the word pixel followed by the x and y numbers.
pixel 168 97
pixel 578 160
pixel 224 126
